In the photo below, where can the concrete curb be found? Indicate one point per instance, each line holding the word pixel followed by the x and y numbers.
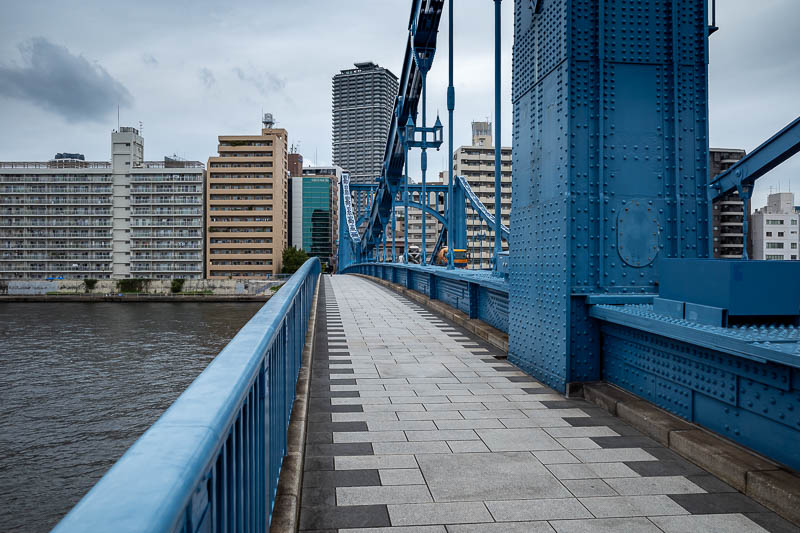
pixel 495 337
pixel 766 482
pixel 286 512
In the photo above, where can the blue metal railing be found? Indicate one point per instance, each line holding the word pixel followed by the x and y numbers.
pixel 212 461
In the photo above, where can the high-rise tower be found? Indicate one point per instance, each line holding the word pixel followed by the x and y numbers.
pixel 363 102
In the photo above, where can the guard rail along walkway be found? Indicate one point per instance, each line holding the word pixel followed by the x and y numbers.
pixel 213 459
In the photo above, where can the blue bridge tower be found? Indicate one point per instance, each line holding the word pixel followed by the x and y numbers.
pixel 610 107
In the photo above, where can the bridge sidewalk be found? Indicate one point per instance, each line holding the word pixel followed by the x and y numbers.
pixel 415 426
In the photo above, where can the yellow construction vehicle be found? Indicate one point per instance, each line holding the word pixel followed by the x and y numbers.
pixel 459 257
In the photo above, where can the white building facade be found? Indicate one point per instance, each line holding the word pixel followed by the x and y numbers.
pixel 75 219
pixel 775 229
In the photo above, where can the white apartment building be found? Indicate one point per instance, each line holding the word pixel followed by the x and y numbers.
pixel 476 163
pixel 75 219
pixel 774 229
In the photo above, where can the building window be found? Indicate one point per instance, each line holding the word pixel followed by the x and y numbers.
pixel 774 257
pixel 794 246
pixel 780 234
pixel 774 222
pixel 775 245
pixel 769 234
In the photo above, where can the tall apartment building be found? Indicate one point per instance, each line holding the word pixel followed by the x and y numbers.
pixel 72 218
pixel 363 103
pixel 314 200
pixel 727 212
pixel 476 163
pixel 774 229
pixel 247 209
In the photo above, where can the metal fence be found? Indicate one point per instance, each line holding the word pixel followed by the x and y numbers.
pixel 212 461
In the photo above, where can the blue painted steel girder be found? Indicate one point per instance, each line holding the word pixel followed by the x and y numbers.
pixel 423 30
pixel 769 154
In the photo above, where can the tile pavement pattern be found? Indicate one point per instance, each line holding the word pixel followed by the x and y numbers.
pixel 414 426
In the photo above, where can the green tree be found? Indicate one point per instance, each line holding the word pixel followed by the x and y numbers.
pixel 293 259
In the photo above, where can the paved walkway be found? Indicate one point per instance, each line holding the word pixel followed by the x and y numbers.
pixel 415 426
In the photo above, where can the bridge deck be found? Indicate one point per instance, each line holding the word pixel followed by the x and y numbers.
pixel 414 425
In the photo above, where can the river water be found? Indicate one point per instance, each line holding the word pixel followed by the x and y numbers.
pixel 79 382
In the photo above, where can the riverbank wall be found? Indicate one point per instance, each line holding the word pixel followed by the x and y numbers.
pixel 110 290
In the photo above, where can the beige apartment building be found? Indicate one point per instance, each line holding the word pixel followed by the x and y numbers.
pixel 247 209
pixel 476 163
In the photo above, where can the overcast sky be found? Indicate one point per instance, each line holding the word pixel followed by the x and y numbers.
pixel 192 70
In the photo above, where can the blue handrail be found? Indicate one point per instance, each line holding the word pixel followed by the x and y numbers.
pixel 211 462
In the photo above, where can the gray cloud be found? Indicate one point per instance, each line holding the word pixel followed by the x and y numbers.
pixel 265 82
pixel 207 77
pixel 53 78
pixel 149 59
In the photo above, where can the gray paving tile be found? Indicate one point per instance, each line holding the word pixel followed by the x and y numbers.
pixel 613 455
pixel 589 487
pixel 412 529
pixel 413 371
pixel 709 483
pixel 369 436
pixel 711 523
pixel 478 423
pixel 467 446
pixel 495 413
pixel 321 517
pixel 428 415
pixel 340 478
pixel 555 457
pixel 654 485
pixel 501 440
pixel 488 476
pixel 401 476
pixel 624 506
pixel 544 509
pixel 505 527
pixel 439 513
pixel 410 447
pixel 591 471
pixel 382 495
pixel 605 525
pixel 732 502
pixel 367 462
pixel 445 434
pixel 773 523
pixel 591 431
pixel 399 425
pixel 577 443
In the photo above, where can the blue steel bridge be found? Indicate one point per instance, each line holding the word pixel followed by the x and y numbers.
pixel 605 375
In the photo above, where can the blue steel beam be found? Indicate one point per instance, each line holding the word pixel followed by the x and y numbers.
pixel 423 29
pixel 481 209
pixel 771 153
